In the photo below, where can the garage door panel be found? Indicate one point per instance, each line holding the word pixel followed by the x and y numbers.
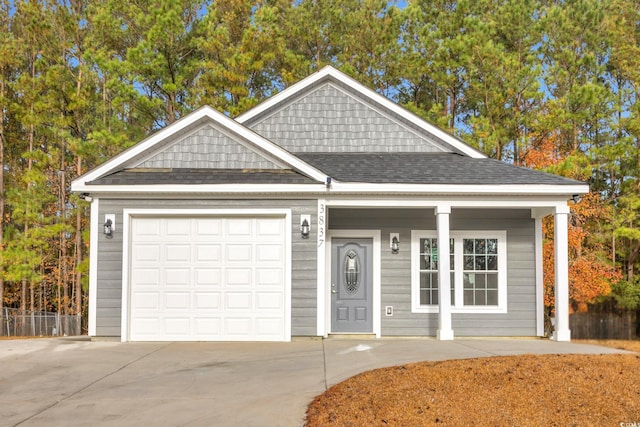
pixel 178 227
pixel 269 301
pixel 209 327
pixel 238 253
pixel 269 227
pixel 207 277
pixel 177 326
pixel 268 326
pixel 146 277
pixel 239 228
pixel 195 279
pixel 208 227
pixel 204 301
pixel 269 277
pixel 208 253
pixel 177 277
pixel 238 301
pixel 238 277
pixel 147 253
pixel 266 253
pixel 238 326
pixel 177 253
pixel 146 301
pixel 176 301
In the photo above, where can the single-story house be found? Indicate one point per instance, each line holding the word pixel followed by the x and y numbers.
pixel 321 211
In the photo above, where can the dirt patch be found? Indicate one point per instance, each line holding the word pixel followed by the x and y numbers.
pixel 528 390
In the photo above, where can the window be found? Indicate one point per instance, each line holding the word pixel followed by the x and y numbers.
pixel 478 271
pixel 429 259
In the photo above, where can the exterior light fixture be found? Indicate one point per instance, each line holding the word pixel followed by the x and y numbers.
pixel 394 242
pixel 109 225
pixel 305 226
pixel 576 198
pixel 108 228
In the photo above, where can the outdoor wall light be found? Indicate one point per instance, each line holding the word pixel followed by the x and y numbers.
pixel 108 228
pixel 109 225
pixel 576 198
pixel 394 242
pixel 305 227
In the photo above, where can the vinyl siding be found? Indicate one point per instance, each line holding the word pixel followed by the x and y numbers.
pixel 304 254
pixel 520 319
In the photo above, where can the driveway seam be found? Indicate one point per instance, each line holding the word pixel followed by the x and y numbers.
pixel 92 383
pixel 324 362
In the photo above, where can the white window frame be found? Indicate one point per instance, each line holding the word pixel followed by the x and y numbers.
pixel 458 236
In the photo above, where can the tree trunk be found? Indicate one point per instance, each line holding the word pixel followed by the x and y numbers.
pixel 632 259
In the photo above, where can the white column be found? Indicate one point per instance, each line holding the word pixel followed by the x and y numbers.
pixel 445 332
pixel 561 244
pixel 94 234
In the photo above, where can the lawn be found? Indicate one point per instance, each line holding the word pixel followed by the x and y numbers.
pixel 528 390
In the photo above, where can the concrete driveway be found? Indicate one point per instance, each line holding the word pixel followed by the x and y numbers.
pixel 66 381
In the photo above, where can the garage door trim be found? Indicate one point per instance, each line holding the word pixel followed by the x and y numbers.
pixel 129 214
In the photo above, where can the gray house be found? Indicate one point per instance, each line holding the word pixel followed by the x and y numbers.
pixel 327 209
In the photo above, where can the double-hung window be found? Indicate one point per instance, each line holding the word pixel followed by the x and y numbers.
pixel 478 271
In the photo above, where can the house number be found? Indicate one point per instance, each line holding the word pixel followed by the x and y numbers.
pixel 321 215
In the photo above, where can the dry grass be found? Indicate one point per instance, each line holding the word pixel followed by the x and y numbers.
pixel 529 390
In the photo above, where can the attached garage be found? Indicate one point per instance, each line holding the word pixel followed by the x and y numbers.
pixel 207 278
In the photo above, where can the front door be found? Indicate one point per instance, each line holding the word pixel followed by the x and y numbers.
pixel 352 285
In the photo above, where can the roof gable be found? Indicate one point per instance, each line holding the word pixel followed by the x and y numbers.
pixel 225 144
pixel 208 148
pixel 330 112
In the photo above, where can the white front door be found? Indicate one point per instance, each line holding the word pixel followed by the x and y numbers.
pixel 207 279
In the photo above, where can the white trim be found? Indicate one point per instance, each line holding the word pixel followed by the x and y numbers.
pixel 182 126
pixel 458 236
pixel 128 214
pixel 321 264
pixel 340 188
pixel 539 242
pixel 455 201
pixel 94 235
pixel 561 246
pixel 365 92
pixel 367 234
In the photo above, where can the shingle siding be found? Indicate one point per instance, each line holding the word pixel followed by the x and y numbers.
pixel 520 320
pixel 330 119
pixel 208 148
pixel 304 254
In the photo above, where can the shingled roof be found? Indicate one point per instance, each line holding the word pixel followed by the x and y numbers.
pixel 426 168
pixel 202 176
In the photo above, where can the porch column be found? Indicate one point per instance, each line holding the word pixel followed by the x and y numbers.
pixel 561 244
pixel 445 332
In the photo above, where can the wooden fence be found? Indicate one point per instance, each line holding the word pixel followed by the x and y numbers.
pixel 603 326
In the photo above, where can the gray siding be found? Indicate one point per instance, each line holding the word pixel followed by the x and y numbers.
pixel 304 255
pixel 520 320
pixel 328 119
pixel 208 148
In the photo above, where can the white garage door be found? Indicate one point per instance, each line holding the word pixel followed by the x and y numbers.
pixel 207 279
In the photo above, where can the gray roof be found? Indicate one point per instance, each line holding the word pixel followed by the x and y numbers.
pixel 203 176
pixel 426 168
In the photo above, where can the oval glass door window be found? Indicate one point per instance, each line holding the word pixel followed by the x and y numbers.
pixel 352 272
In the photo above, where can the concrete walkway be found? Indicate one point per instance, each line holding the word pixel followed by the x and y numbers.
pixel 66 381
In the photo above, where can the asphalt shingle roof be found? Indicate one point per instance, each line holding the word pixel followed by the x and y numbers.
pixel 426 168
pixel 203 176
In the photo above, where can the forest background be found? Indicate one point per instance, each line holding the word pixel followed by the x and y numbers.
pixel 551 85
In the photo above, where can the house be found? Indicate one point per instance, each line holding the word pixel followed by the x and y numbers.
pixel 320 211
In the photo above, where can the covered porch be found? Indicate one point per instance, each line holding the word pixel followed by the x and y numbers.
pixel 496 285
